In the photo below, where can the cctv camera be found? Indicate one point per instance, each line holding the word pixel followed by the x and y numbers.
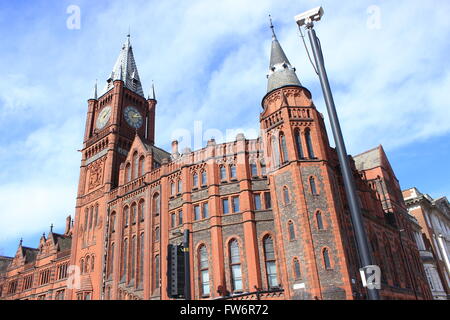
pixel 309 16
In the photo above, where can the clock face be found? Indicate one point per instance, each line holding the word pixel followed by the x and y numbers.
pixel 133 117
pixel 103 117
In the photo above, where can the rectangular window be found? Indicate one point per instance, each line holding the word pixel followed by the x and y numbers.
pixel 204 179
pixel 257 200
pixel 223 173
pixel 195 180
pixel 180 186
pixel 204 274
pixel 225 206
pixel 180 217
pixel 268 200
pixel 59 295
pixel 172 189
pixel 173 220
pixel 233 172
pixel 197 213
pixel 263 169
pixel 272 274
pixel 237 277
pixel 235 204
pixel 205 210
pixel 254 169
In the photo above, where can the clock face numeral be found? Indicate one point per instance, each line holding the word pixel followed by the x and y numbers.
pixel 103 117
pixel 133 117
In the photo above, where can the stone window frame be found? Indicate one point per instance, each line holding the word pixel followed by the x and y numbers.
pixel 291 231
pixel 329 256
pixel 241 262
pixel 295 262
pixel 286 196
pixel 322 225
pixel 262 238
pixel 200 269
pixel 313 187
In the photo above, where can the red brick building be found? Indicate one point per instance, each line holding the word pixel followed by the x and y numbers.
pixel 267 214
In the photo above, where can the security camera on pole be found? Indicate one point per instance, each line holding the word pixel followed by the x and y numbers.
pixel 369 272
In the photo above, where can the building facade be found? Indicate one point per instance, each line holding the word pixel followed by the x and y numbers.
pixel 267 217
pixel 433 242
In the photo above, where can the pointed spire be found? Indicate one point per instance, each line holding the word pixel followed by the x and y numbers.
pixel 51 228
pixel 125 69
pixel 153 91
pixel 20 242
pixel 274 37
pixel 94 94
pixel 281 72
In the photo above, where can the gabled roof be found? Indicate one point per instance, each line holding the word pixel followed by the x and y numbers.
pixel 372 158
pixel 62 242
pixel 4 263
pixel 158 153
pixel 29 254
pixel 125 69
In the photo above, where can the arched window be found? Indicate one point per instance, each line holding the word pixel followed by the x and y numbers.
pixel 298 144
pixel 284 151
pixel 291 231
pixel 286 196
pixel 86 218
pixel 312 184
pixel 92 263
pixel 275 152
pixel 82 266
pixel 133 213
pixel 195 180
pixel 297 271
pixel 112 225
pixel 111 260
pixel 141 166
pixel 133 257
pixel 173 220
pixel 125 216
pixel 91 216
pixel 128 172
pixel 87 265
pixel 271 268
pixel 124 258
pixel 319 220
pixel 204 178
pixel 141 259
pixel 326 258
pixel 156 204
pixel 157 234
pixel 235 265
pixel 157 272
pixel 172 188
pixel 203 270
pixel 96 216
pixel 141 211
pixel 309 144
pixel 135 165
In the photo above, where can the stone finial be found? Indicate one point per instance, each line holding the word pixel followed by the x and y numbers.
pixel 240 136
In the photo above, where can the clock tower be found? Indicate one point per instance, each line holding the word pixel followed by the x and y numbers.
pixel 113 120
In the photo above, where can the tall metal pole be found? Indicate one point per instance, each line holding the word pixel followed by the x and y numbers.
pixel 350 190
pixel 187 265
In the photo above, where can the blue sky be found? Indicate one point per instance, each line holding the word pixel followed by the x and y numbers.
pixel 389 72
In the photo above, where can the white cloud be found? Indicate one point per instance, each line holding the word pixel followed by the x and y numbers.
pixel 209 62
